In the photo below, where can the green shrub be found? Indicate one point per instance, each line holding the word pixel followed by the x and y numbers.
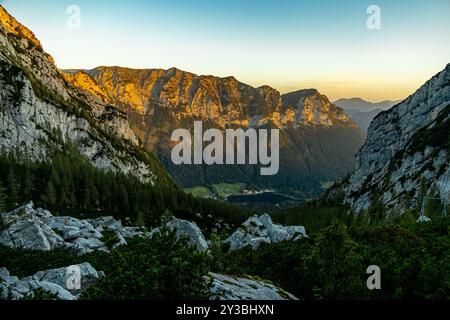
pixel 161 268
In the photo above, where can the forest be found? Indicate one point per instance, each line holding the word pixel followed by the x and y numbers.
pixel 67 184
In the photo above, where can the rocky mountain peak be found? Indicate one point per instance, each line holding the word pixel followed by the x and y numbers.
pixel 43 110
pixel 84 81
pixel 14 27
pixel 314 108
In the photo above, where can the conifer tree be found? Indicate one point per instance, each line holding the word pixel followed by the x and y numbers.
pixel 2 198
pixel 49 196
pixel 13 187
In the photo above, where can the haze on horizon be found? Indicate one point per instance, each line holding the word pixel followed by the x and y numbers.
pixel 288 45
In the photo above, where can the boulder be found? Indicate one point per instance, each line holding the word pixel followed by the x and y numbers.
pixel 90 244
pixel 423 219
pixel 72 228
pixel 53 281
pixel 37 229
pixel 131 232
pixel 234 288
pixel 30 234
pixel 107 223
pixel 190 230
pixel 4 272
pixel 6 278
pixel 21 213
pixel 121 240
pixel 278 233
pixel 258 230
pixel 88 276
pixel 19 289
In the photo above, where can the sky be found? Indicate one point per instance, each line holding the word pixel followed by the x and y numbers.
pixel 289 45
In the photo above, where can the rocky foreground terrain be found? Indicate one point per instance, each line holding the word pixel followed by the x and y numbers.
pixel 37 229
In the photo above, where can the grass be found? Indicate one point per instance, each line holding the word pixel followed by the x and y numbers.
pixel 224 190
pixel 326 184
pixel 199 192
pixel 221 190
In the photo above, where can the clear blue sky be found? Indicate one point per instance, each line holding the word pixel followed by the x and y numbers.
pixel 286 44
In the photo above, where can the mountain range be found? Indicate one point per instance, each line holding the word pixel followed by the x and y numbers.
pixel 318 140
pixel 119 119
pixel 363 112
pixel 358 104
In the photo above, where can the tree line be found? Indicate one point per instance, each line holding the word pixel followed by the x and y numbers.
pixel 68 184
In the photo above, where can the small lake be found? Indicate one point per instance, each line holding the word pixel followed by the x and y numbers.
pixel 266 197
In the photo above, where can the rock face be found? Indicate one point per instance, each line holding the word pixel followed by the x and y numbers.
pixel 258 230
pixel 40 110
pixel 38 230
pixel 233 288
pixel 407 151
pixel 159 101
pixel 51 281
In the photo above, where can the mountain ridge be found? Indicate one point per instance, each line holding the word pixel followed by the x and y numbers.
pixel 352 104
pixel 42 112
pixel 158 101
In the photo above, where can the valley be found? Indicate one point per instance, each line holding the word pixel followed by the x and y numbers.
pixel 88 183
pixel 317 140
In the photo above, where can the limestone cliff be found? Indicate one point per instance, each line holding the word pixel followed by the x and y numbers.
pixel 407 151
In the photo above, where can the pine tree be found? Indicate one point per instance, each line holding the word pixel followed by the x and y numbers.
pixel 28 186
pixel 2 198
pixel 13 188
pixel 49 196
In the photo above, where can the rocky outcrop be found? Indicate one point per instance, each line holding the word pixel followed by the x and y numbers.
pixel 37 229
pixel 53 281
pixel 237 288
pixel 407 151
pixel 88 275
pixel 41 111
pixel 259 230
pixel 190 230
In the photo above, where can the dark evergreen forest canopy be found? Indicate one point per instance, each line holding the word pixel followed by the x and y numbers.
pixel 67 184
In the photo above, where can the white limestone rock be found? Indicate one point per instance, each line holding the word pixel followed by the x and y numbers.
pixel 30 234
pixel 234 288
pixel 190 230
pixel 258 230
pixel 59 276
pixel 54 281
